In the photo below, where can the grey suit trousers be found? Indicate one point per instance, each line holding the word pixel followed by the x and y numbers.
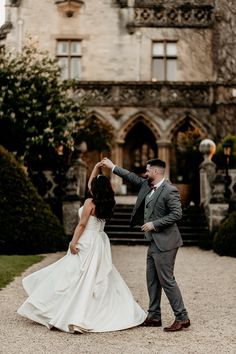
pixel 159 272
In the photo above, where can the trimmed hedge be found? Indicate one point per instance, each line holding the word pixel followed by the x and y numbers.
pixel 27 224
pixel 224 242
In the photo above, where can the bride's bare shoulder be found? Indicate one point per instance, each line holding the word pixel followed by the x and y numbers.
pixel 89 205
pixel 88 201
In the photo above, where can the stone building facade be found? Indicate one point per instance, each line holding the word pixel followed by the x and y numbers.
pixel 151 68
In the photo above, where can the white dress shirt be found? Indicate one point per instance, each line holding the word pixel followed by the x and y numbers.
pixel 156 186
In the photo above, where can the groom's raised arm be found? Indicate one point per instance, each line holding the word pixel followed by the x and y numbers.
pixel 123 173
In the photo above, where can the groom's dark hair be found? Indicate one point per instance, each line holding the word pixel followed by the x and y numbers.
pixel 157 162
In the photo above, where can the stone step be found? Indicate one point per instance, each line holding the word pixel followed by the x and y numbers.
pixel 199 224
pixel 187 237
pixel 193 226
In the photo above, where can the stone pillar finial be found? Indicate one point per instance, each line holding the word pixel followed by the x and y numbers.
pixel 208 148
pixel 207 170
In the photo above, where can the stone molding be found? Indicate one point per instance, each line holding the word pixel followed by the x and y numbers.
pixel 15 3
pixel 58 2
pixel 5 29
pixel 69 7
pixel 148 94
pixel 153 13
pixel 123 3
pixel 174 16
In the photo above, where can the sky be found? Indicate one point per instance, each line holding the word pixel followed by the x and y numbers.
pixel 2 12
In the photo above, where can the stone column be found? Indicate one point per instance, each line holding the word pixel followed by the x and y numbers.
pixel 74 194
pixel 117 158
pixel 217 209
pixel 164 154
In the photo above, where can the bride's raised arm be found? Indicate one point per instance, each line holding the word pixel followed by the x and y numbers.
pixel 96 171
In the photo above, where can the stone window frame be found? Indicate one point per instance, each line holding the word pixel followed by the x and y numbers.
pixel 165 57
pixel 69 56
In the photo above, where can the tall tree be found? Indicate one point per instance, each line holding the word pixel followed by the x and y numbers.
pixel 38 114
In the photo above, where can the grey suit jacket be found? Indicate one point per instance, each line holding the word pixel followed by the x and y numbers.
pixel 163 209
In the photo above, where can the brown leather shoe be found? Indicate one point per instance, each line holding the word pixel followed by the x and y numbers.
pixel 177 326
pixel 152 322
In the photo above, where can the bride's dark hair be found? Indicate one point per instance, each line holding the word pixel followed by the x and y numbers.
pixel 103 197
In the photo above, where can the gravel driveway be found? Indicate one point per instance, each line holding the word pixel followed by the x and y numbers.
pixel 208 285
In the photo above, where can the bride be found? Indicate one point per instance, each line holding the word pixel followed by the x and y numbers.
pixel 83 291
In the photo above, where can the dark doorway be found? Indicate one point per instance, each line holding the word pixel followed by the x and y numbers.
pixel 140 146
pixel 185 161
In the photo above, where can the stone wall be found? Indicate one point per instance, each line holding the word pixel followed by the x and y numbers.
pixel 109 51
pixel 224 41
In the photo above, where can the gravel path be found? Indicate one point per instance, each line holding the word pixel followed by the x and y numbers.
pixel 208 285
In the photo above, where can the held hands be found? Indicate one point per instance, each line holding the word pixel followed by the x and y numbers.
pixel 147 227
pixel 73 248
pixel 107 163
pixel 98 165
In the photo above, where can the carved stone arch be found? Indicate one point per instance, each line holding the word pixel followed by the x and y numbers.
pixel 104 117
pixel 191 119
pixel 104 121
pixel 137 142
pixel 132 121
pixel 98 115
pixel 96 147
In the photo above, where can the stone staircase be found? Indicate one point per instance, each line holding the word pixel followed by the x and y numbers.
pixel 193 226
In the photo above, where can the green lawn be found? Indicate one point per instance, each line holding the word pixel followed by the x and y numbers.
pixel 11 266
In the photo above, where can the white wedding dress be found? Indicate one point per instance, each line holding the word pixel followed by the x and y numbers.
pixel 82 292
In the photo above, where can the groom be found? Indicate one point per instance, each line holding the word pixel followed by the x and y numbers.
pixel 157 209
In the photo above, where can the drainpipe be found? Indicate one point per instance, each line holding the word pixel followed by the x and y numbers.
pixel 20 23
pixel 7 11
pixel 139 38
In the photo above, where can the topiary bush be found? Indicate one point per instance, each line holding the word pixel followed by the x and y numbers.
pixel 27 225
pixel 224 242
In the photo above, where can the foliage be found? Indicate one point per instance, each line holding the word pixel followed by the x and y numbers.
pixel 187 154
pixel 26 222
pixel 38 112
pixel 206 240
pixel 98 135
pixel 224 242
pixel 219 157
pixel 187 141
pixel 12 266
pixel 43 120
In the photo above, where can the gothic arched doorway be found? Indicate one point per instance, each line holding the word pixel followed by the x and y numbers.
pixel 140 146
pixel 185 161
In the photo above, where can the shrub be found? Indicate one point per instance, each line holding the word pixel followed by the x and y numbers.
pixel 224 242
pixel 219 158
pixel 27 225
pixel 206 240
pixel 39 112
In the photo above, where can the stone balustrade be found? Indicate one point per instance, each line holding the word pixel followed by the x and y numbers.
pixel 155 94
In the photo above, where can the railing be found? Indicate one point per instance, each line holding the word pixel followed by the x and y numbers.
pixel 147 94
pixel 166 13
pixel 178 16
